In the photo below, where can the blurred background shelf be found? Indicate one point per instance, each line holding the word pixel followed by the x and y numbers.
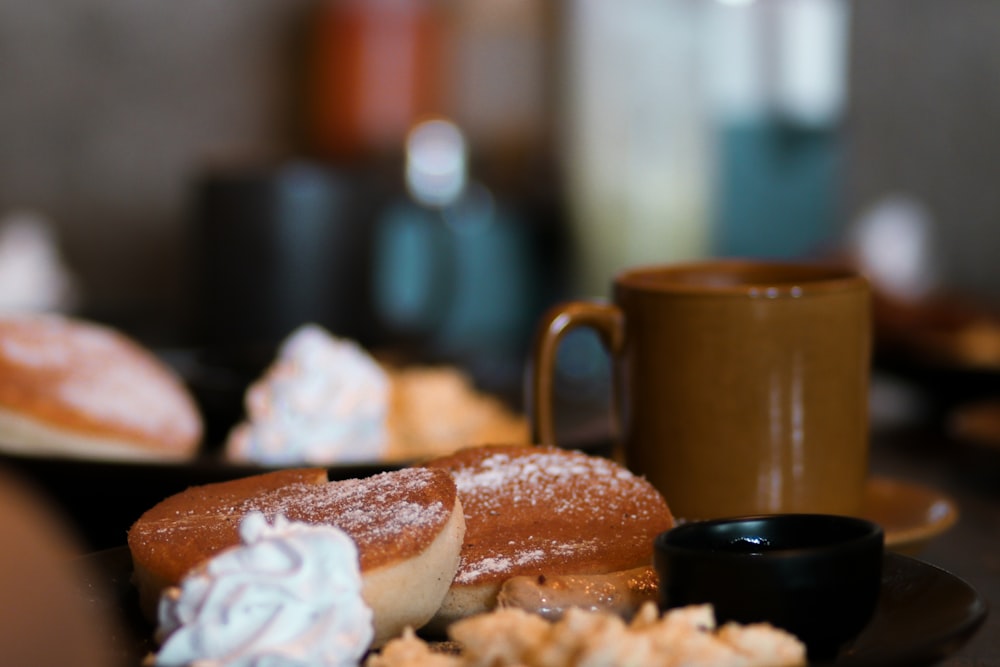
pixel 598 125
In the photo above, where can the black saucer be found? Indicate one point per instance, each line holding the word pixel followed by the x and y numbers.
pixel 924 613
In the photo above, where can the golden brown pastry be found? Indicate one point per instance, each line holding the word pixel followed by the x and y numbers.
pixel 621 593
pixel 74 388
pixel 545 511
pixel 407 524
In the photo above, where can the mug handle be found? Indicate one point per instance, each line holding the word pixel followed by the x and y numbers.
pixel 605 319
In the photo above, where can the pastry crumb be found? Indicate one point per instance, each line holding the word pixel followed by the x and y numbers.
pixel 687 637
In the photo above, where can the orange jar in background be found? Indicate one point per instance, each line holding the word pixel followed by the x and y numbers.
pixel 374 67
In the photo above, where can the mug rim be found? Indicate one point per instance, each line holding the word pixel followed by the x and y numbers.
pixel 770 279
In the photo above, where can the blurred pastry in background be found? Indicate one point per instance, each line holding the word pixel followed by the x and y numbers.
pixel 437 410
pixel 977 422
pixel 945 330
pixel 897 245
pixel 326 400
pixel 73 388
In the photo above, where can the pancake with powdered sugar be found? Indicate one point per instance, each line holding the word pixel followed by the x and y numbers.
pixel 407 524
pixel 533 510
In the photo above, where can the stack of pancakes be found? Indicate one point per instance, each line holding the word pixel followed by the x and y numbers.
pixel 435 541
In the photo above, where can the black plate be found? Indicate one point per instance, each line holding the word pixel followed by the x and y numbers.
pixel 924 613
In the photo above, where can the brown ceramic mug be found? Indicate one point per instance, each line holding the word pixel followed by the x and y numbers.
pixel 740 387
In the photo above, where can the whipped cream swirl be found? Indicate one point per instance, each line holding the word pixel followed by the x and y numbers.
pixel 323 400
pixel 289 596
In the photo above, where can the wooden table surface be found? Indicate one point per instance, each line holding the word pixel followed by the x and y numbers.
pixel 970 475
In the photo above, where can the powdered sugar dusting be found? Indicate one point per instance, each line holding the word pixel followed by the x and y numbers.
pixel 498 565
pixel 528 507
pixel 382 508
pixel 84 362
pixel 546 479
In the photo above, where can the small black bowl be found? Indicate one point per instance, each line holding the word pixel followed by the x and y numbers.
pixel 817 576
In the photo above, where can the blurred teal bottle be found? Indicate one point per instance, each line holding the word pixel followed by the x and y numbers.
pixel 456 269
pixel 777 72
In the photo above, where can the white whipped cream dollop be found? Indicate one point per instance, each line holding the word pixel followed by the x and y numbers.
pixel 323 400
pixel 33 275
pixel 289 596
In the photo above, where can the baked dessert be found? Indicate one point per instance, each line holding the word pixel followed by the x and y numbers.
pixel 407 524
pixel 534 510
pixel 551 596
pixel 325 400
pixel 436 410
pixel 189 527
pixel 684 636
pixel 74 388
